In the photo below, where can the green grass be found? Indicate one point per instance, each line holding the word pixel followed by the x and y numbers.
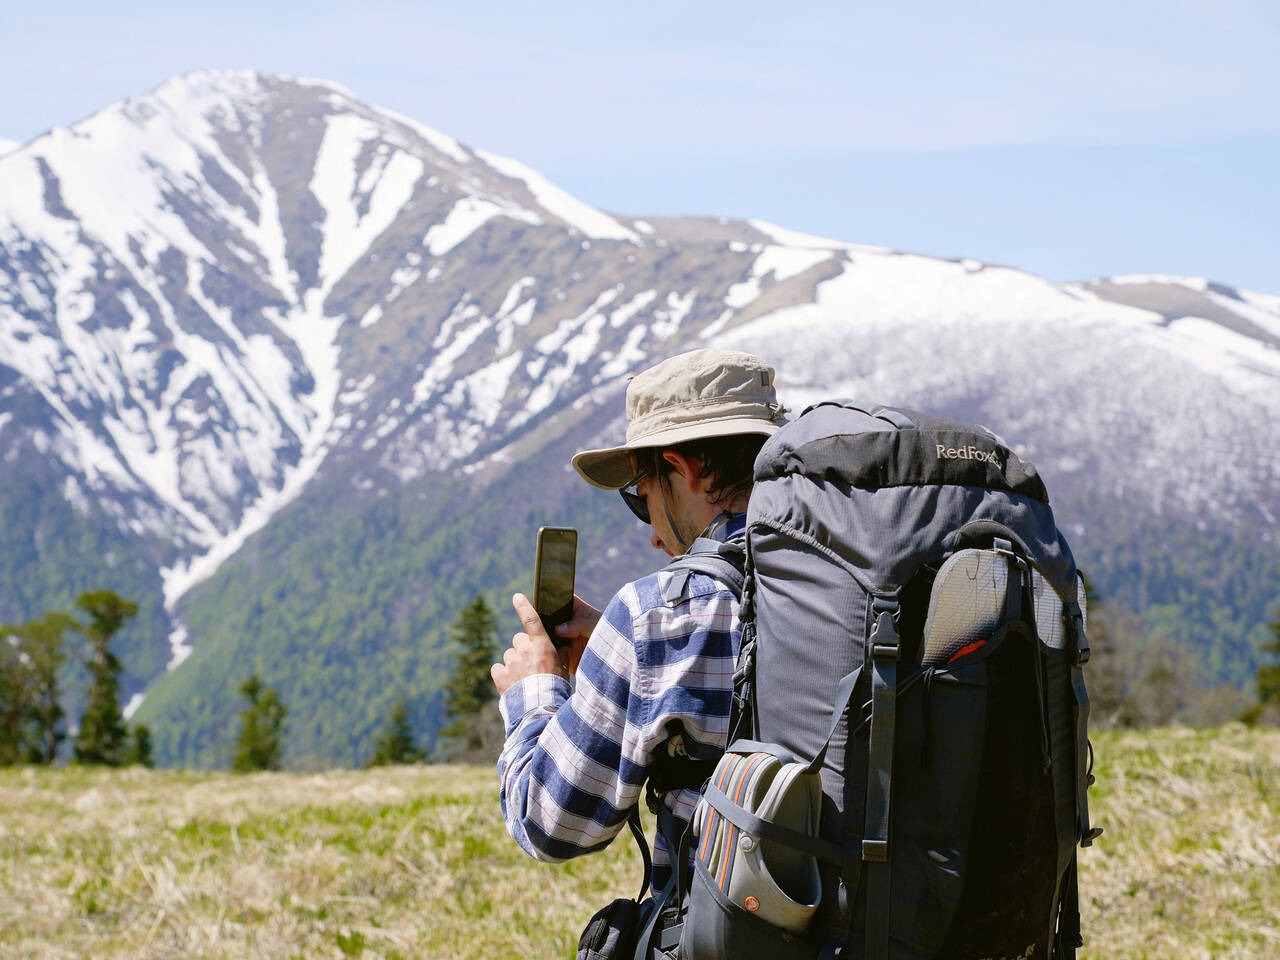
pixel 415 862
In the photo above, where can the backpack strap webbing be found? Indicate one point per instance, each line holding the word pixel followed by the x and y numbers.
pixel 677 884
pixel 637 831
pixel 1079 649
pixel 722 560
pixel 885 648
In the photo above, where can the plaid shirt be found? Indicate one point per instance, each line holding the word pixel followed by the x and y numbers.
pixel 575 761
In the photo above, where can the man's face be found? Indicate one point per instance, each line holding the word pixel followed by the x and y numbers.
pixel 669 496
pixel 660 533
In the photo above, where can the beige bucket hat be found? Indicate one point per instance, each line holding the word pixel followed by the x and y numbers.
pixel 691 396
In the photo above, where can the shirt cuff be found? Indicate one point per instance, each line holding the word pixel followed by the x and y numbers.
pixel 542 692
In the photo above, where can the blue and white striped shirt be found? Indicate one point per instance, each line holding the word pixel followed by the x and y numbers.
pixel 575 762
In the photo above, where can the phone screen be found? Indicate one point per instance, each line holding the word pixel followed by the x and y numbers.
pixel 553 578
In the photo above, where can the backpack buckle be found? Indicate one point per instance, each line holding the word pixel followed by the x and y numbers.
pixel 1082 654
pixel 884 652
pixel 875 851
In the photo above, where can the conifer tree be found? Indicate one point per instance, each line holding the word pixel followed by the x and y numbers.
pixel 46 657
pixel 469 692
pixel 15 687
pixel 1269 673
pixel 102 735
pixel 1267 709
pixel 395 745
pixel 259 745
pixel 140 753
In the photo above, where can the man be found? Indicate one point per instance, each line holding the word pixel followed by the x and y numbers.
pixel 654 675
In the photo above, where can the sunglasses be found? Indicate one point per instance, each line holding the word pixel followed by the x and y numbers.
pixel 637 504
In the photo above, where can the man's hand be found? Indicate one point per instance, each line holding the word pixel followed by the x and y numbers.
pixel 531 652
pixel 578 629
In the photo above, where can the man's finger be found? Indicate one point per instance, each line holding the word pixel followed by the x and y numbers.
pixel 528 615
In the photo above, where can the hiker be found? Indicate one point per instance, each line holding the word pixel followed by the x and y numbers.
pixel 907 769
pixel 655 678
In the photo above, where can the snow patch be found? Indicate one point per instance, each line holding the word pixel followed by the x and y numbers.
pixel 519 317
pixel 668 320
pixel 793 238
pixel 624 314
pixel 513 295
pixel 785 263
pixel 464 218
pixel 480 394
pixel 179 648
pixel 1261 310
pixel 716 325
pixel 558 203
pixel 782 263
pixel 440 141
pixel 741 294
pixel 348 233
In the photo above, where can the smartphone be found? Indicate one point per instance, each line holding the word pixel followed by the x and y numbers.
pixel 553 578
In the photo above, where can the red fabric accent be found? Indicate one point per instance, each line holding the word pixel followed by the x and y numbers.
pixel 967 649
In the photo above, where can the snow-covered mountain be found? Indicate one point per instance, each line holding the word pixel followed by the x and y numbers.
pixel 244 310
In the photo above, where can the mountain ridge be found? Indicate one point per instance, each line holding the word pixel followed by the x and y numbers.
pixel 243 298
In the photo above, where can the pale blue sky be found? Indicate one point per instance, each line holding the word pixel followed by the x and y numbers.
pixel 1071 140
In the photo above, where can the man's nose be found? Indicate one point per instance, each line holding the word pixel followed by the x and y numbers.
pixel 655 541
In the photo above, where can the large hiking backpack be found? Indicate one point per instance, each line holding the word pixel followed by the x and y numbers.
pixel 913 643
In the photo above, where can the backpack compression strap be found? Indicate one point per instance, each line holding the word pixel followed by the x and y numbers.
pixel 721 560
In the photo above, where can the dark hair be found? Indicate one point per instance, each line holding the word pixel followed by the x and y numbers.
pixel 727 462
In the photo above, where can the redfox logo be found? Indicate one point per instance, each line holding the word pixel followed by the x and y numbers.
pixel 967 453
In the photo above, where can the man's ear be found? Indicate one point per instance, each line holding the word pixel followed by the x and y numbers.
pixel 688 468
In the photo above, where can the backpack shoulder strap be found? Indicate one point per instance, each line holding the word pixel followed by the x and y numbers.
pixel 723 560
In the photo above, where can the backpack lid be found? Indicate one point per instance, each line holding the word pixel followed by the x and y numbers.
pixel 892 447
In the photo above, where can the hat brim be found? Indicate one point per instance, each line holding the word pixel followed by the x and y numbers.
pixel 610 468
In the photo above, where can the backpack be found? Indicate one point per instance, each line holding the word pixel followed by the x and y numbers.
pixel 908 765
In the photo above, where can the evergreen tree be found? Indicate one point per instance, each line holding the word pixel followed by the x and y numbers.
pixel 1267 709
pixel 102 735
pixel 140 747
pixel 469 692
pixel 258 745
pixel 1269 673
pixel 46 657
pixel 395 744
pixel 15 687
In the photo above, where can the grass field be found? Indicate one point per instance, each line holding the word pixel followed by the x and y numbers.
pixel 414 862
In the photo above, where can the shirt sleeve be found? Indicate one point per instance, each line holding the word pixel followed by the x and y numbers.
pixel 574 764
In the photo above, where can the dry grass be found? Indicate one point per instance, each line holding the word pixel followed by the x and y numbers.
pixel 404 862
pixel 1190 864
pixel 414 862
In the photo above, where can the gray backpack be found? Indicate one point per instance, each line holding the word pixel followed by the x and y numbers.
pixel 909 762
